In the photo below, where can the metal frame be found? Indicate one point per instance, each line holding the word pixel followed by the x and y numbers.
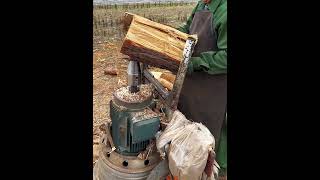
pixel 171 99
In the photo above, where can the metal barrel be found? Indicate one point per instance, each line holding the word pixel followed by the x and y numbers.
pixel 110 166
pixel 104 172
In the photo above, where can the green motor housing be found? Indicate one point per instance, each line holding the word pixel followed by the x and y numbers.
pixel 133 126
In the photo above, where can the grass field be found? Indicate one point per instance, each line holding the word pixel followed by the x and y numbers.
pixel 107 39
pixel 107 19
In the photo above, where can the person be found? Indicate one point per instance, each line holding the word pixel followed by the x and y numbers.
pixel 204 93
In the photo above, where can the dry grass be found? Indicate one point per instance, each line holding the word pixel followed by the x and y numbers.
pixel 107 22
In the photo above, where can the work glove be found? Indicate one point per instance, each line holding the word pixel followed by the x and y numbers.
pixel 195 64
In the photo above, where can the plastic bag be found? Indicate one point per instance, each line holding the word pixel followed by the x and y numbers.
pixel 189 147
pixel 177 123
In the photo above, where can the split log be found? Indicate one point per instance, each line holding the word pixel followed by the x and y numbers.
pixel 153 43
pixel 156 74
pixel 168 76
pixel 166 84
pixel 165 79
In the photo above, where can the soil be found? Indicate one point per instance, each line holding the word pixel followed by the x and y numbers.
pixel 106 55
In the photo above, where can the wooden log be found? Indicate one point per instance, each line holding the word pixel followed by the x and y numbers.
pixel 166 84
pixel 168 76
pixel 153 43
pixel 156 74
pixel 166 79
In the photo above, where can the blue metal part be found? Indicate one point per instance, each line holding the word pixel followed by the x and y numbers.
pixel 132 129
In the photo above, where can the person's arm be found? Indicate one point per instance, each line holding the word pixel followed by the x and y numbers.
pixel 213 62
pixel 185 28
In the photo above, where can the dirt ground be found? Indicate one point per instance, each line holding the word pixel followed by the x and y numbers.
pixel 106 56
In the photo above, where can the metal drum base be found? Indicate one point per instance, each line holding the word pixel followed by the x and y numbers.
pixel 115 166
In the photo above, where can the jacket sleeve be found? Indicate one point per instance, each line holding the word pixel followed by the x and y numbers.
pixel 213 62
pixel 185 28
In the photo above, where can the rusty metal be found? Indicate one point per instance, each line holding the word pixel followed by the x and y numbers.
pixel 160 172
pixel 143 79
pixel 173 98
pixel 108 134
pixel 149 150
pixel 135 164
pixel 159 88
pixel 111 166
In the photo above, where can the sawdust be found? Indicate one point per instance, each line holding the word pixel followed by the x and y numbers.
pixel 145 114
pixel 144 93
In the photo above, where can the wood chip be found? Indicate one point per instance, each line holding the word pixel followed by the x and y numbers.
pixel 144 93
pixel 111 71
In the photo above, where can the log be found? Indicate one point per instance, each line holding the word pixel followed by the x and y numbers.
pixel 156 74
pixel 153 43
pixel 168 76
pixel 166 79
pixel 166 84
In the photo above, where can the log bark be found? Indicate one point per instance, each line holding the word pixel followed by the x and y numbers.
pixel 153 43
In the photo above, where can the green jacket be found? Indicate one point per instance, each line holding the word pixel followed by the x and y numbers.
pixel 212 62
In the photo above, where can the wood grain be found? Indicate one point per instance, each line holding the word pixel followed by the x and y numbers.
pixel 168 76
pixel 153 43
